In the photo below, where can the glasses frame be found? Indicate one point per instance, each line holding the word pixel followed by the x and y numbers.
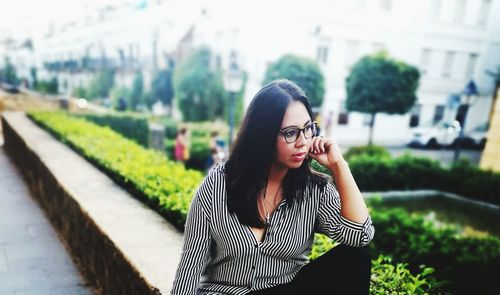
pixel 314 124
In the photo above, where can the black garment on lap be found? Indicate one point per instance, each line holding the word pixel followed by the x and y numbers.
pixel 342 270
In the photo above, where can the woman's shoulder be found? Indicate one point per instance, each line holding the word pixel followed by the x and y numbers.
pixel 217 172
pixel 213 185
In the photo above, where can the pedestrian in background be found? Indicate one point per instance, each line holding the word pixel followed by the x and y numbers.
pixel 181 148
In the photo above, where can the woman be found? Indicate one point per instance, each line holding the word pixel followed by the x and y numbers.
pixel 252 221
pixel 181 149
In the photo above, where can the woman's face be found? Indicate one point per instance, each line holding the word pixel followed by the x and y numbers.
pixel 291 155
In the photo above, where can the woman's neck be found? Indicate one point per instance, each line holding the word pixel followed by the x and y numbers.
pixel 276 174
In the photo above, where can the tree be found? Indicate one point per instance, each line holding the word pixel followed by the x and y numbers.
pixel 305 72
pixel 34 77
pixel 8 74
pixel 137 90
pixel 378 83
pixel 198 88
pixel 161 88
pixel 101 84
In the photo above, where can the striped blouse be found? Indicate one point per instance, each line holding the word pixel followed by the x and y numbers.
pixel 222 256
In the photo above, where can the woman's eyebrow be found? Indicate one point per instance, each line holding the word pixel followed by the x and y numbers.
pixel 294 126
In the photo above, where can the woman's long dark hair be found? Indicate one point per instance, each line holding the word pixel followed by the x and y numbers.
pixel 254 151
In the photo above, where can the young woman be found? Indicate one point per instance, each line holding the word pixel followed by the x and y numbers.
pixel 252 221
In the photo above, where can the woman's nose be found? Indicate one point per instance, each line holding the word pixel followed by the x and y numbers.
pixel 302 140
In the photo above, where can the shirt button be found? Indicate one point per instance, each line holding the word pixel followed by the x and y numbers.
pixel 256 245
pixel 253 266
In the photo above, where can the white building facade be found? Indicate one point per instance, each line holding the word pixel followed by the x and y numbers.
pixel 450 41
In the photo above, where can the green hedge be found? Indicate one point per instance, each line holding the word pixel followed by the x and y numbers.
pixel 168 187
pixel 164 185
pixel 387 276
pixel 131 126
pixel 470 265
pixel 374 173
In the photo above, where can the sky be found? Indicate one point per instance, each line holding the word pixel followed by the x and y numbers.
pixel 23 17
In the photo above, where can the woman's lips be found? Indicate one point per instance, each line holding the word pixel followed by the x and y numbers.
pixel 298 156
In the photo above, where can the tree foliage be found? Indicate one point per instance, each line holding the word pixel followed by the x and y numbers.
pixel 380 84
pixel 305 72
pixel 161 87
pixel 198 88
pixel 136 95
pixel 8 73
pixel 101 84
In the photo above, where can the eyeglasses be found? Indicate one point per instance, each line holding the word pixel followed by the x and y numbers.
pixel 291 134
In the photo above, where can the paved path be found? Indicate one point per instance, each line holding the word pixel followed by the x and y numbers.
pixel 32 258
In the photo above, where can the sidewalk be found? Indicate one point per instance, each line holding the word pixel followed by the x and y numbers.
pixel 32 258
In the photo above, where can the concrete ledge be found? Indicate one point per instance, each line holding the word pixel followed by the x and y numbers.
pixel 120 245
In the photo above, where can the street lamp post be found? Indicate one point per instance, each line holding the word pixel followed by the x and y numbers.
pixel 233 81
pixel 469 91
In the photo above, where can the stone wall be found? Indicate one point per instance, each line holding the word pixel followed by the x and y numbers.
pixel 120 245
pixel 491 154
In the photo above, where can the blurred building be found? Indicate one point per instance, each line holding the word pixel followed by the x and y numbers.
pixel 450 41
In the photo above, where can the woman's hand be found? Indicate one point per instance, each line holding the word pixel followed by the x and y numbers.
pixel 325 151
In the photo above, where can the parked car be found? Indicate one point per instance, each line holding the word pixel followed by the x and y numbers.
pixel 441 134
pixel 476 138
pixel 11 88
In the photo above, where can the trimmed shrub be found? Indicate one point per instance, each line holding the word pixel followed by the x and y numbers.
pixel 387 277
pixel 131 126
pixel 468 265
pixel 377 172
pixel 370 150
pixel 164 185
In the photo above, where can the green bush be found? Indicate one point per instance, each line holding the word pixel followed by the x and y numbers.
pixel 170 127
pixel 131 126
pixel 387 277
pixel 469 265
pixel 47 86
pixel 370 150
pixel 164 185
pixel 375 172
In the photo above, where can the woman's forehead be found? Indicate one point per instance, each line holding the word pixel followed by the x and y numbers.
pixel 296 115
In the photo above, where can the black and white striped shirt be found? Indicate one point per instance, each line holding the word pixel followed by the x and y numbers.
pixel 222 256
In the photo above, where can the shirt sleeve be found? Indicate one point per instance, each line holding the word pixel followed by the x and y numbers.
pixel 331 223
pixel 197 241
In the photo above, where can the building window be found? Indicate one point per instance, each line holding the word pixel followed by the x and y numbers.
pixel 435 9
pixel 425 60
pixel 448 64
pixel 386 5
pixel 438 114
pixel 471 65
pixel 483 12
pixel 458 17
pixel 343 114
pixel 322 54
pixel 415 115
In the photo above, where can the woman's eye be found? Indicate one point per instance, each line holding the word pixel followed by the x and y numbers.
pixel 291 133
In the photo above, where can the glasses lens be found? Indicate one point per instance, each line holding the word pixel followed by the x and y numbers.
pixel 309 131
pixel 291 135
